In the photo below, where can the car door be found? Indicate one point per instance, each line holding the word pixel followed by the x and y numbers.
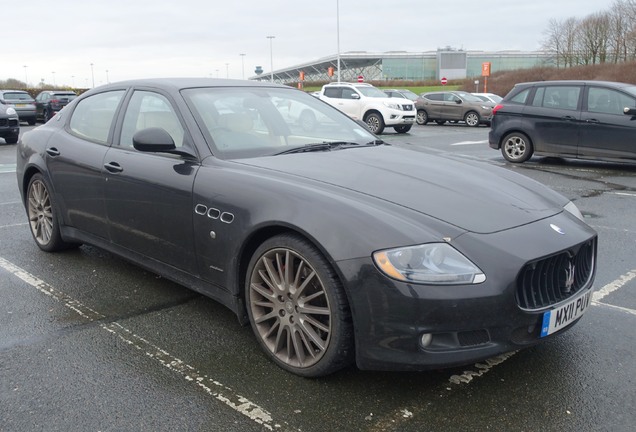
pixel 433 103
pixel 75 157
pixel 452 109
pixel 149 195
pixel 607 131
pixel 553 119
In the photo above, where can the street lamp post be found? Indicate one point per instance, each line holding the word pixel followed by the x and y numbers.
pixel 242 66
pixel 107 80
pixel 93 75
pixel 338 35
pixel 227 70
pixel 26 79
pixel 271 58
pixel 54 83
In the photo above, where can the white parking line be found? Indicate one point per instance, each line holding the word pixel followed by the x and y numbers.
pixel 461 143
pixel 211 386
pixel 613 286
pixel 633 195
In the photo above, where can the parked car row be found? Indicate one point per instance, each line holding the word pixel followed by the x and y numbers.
pixel 45 105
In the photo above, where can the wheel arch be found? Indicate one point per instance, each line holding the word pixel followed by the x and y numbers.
pixel 254 240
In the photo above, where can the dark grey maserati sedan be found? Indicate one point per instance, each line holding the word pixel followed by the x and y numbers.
pixel 333 245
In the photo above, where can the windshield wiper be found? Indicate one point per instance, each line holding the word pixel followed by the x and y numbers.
pixel 323 146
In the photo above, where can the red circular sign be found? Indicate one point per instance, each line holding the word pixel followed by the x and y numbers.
pixel 444 81
pixel 360 78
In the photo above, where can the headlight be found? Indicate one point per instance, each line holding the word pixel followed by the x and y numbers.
pixel 11 111
pixel 392 105
pixel 433 263
pixel 571 208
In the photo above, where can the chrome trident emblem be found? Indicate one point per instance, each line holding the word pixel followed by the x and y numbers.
pixel 569 276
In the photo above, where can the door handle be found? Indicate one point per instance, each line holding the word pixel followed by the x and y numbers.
pixel 593 120
pixel 113 167
pixel 52 151
pixel 567 118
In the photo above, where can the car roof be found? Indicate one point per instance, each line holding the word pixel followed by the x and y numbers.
pixel 12 91
pixel 576 82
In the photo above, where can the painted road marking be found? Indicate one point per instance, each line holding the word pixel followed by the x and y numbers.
pixel 7 168
pixel 461 143
pixel 211 386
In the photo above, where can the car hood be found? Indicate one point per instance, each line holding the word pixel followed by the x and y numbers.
pixel 472 196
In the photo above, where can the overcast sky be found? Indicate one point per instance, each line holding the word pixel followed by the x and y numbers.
pixel 58 40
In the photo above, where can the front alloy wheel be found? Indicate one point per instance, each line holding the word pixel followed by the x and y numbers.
pixel 375 123
pixel 297 307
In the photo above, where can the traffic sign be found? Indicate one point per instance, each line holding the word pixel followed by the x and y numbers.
pixel 360 78
pixel 444 80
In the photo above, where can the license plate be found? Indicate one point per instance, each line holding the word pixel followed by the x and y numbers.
pixel 555 319
pixel 20 105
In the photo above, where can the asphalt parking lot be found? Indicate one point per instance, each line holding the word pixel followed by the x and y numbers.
pixel 91 342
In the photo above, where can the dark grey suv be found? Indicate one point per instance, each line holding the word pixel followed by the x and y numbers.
pixel 570 119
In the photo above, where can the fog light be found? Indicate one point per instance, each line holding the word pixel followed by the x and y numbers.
pixel 426 339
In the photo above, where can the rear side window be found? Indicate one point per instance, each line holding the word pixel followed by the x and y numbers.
pixel 93 117
pixel 521 97
pixel 332 92
pixel 561 97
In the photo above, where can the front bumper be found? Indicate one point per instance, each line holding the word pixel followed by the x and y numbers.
pixel 466 323
pixel 9 126
pixel 395 117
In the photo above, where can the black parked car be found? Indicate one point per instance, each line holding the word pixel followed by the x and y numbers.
pixel 333 245
pixel 49 102
pixel 9 124
pixel 570 119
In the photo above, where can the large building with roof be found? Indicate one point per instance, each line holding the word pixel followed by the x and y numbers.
pixel 402 65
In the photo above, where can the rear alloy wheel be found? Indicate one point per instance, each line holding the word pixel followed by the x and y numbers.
pixel 516 147
pixel 422 117
pixel 297 307
pixel 375 123
pixel 43 220
pixel 402 128
pixel 472 119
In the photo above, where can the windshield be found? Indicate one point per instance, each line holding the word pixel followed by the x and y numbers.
pixel 241 122
pixel 17 96
pixel 371 92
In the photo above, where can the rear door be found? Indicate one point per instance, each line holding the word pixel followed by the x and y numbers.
pixel 554 119
pixel 607 131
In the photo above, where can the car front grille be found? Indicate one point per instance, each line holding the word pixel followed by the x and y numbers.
pixel 551 280
pixel 9 122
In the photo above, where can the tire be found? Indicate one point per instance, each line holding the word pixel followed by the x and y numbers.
pixel 31 121
pixel 402 128
pixel 13 139
pixel 516 147
pixel 422 117
pixel 472 119
pixel 43 219
pixel 297 307
pixel 47 115
pixel 440 122
pixel 375 123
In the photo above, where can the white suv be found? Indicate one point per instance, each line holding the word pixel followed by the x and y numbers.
pixel 371 105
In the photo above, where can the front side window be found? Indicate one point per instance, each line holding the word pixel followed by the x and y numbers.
pixel 147 110
pixel 348 93
pixel 92 118
pixel 608 101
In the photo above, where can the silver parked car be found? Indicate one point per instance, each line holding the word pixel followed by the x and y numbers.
pixel 446 106
pixel 22 102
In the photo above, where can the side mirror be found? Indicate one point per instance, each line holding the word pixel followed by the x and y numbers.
pixel 629 111
pixel 355 96
pixel 153 140
pixel 458 101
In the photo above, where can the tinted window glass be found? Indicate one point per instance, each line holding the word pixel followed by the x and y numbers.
pixel 538 97
pixel 17 96
pixel 521 97
pixel 146 110
pixel 608 101
pixel 561 97
pixel 435 96
pixel 348 93
pixel 333 92
pixel 93 116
